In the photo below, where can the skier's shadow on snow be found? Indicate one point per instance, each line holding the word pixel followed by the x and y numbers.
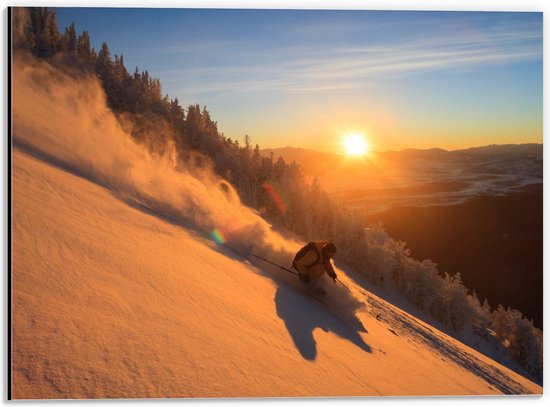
pixel 302 315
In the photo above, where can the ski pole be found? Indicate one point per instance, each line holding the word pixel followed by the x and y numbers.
pixel 343 285
pixel 270 262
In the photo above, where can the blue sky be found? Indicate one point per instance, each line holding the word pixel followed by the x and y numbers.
pixel 305 78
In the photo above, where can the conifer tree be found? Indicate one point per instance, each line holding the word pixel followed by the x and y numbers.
pixel 22 33
pixel 69 41
pixel 84 47
pixel 40 34
pixel 52 35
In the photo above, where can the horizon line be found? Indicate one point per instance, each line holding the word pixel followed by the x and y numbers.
pixel 405 149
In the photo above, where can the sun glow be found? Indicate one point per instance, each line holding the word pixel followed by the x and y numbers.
pixel 355 144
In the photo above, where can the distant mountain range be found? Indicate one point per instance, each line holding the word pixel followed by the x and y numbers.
pixel 420 177
pixel 493 158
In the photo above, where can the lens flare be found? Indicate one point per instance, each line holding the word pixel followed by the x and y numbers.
pixel 217 236
pixel 277 196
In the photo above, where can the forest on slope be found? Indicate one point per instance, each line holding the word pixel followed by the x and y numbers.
pixel 495 242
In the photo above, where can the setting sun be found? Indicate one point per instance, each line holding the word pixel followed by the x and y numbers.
pixel 355 144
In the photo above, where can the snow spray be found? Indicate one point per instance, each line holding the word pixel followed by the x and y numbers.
pixel 66 121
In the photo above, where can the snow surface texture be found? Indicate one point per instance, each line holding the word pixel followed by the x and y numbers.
pixel 119 291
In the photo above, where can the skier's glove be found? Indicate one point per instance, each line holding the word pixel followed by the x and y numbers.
pixel 304 278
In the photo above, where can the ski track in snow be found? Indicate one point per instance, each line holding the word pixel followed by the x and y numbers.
pixel 401 324
pixel 406 326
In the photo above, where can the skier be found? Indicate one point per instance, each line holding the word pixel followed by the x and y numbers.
pixel 313 260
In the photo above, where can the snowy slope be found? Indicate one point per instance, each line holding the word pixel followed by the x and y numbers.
pixel 118 289
pixel 111 301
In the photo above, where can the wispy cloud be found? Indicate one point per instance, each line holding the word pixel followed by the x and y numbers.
pixel 251 66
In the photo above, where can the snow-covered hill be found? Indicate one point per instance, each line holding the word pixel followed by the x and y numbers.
pixel 110 300
pixel 128 280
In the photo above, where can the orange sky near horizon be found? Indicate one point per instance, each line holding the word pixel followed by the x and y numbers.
pixel 384 135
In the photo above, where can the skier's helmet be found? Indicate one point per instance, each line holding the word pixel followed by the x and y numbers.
pixel 329 250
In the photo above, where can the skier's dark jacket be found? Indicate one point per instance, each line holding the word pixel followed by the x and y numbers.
pixel 309 261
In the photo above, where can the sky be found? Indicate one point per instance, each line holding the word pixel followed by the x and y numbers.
pixel 306 78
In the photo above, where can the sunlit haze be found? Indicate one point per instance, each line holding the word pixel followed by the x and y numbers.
pixel 294 77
